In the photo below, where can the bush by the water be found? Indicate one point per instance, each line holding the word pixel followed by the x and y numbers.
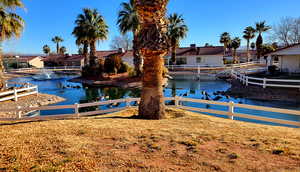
pixel 115 65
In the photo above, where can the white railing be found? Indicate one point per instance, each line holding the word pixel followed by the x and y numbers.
pixel 74 68
pixel 265 82
pixel 213 67
pixel 15 93
pixel 178 103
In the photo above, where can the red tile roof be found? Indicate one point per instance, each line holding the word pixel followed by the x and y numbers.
pixel 62 58
pixel 184 51
pixel 26 58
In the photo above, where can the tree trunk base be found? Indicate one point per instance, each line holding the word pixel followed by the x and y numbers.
pixel 151 105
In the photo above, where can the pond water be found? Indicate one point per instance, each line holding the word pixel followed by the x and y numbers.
pixel 185 86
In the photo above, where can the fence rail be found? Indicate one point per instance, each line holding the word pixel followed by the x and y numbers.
pixel 215 67
pixel 178 103
pixel 25 90
pixel 59 68
pixel 265 82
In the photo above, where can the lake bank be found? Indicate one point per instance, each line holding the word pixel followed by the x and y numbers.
pixel 184 142
pixel 264 94
pixel 28 101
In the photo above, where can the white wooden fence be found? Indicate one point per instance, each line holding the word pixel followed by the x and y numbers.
pixel 178 103
pixel 59 68
pixel 214 67
pixel 25 90
pixel 265 82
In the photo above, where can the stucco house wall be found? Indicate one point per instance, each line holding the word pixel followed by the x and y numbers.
pixel 290 63
pixel 37 62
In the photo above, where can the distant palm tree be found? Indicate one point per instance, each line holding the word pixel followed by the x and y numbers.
pixel 236 43
pixel 11 25
pixel 252 46
pixel 261 27
pixel 249 33
pixel 93 28
pixel 57 40
pixel 177 30
pixel 128 22
pixel 46 49
pixel 62 50
pixel 225 40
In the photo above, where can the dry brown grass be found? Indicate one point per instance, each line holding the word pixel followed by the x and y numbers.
pixel 184 142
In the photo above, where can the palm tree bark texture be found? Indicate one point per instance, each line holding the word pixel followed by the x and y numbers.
pixel 153 44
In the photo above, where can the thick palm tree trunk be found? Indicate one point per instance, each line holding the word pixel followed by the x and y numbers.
pixel 2 80
pixel 153 45
pixel 57 48
pixel 173 50
pixel 93 53
pixel 248 50
pixel 137 58
pixel 85 53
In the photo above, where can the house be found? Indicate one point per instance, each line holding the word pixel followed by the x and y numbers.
pixel 205 56
pixel 64 60
pixel 25 61
pixel 288 58
pixel 193 55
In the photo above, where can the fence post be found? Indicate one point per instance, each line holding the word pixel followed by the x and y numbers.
pixel 16 94
pixel 19 113
pixel 199 70
pixel 264 83
pixel 176 101
pixel 231 109
pixel 247 80
pixel 77 110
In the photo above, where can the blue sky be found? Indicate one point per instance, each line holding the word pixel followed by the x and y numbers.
pixel 206 20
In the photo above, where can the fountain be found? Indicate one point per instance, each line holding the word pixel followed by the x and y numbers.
pixel 45 75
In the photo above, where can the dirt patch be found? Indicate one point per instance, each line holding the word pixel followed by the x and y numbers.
pixel 28 101
pixel 184 142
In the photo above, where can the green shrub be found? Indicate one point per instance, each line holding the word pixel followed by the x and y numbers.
pixel 124 67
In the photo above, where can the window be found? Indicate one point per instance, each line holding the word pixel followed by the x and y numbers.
pixel 181 61
pixel 199 60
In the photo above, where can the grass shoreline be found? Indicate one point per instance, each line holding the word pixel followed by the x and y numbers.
pixel 185 141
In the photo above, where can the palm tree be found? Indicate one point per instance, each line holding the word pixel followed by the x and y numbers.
pixel 249 33
pixel 57 40
pixel 225 39
pixel 177 30
pixel 128 22
pixel 261 27
pixel 46 49
pixel 93 28
pixel 11 25
pixel 236 43
pixel 153 43
pixel 62 50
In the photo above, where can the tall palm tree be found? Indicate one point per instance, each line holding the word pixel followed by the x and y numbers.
pixel 128 22
pixel 177 30
pixel 235 43
pixel 249 33
pixel 94 29
pixel 261 27
pixel 225 40
pixel 46 49
pixel 11 25
pixel 57 40
pixel 153 44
